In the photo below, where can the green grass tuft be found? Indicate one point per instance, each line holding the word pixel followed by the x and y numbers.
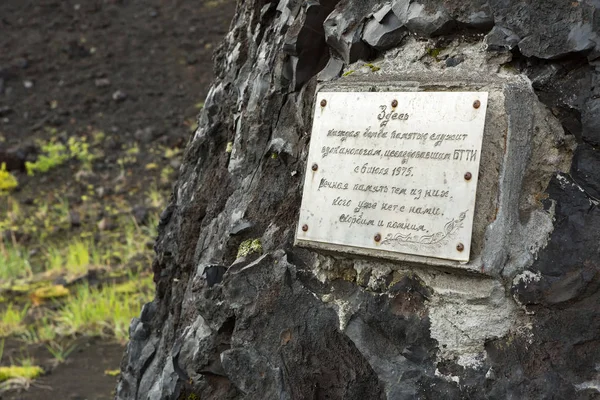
pixel 11 320
pixel 43 332
pixel 14 264
pixel 103 312
pixel 60 352
pixel 78 256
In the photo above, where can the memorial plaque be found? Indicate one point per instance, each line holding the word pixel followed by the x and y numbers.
pixel 393 173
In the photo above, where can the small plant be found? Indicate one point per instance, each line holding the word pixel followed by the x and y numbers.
pixel 54 259
pixel 60 352
pixel 172 152
pixel 374 68
pixel 157 198
pixel 150 230
pixel 12 210
pixel 80 150
pixel 61 210
pixel 14 264
pixel 55 154
pixel 43 332
pixel 98 137
pixel 133 150
pixel 11 320
pixel 435 52
pixel 25 360
pixel 76 258
pixel 165 174
pixel 7 180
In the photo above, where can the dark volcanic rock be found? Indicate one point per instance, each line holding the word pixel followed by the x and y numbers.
pixel 305 41
pixel 590 113
pixel 423 19
pixel 563 292
pixel 332 70
pixel 586 170
pixel 291 323
pixel 565 87
pixel 343 371
pixel 384 30
pixel 15 157
pixel 566 268
pixel 501 38
pixel 346 40
pixel 549 29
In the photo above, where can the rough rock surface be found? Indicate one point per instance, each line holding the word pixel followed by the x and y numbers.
pixel 289 323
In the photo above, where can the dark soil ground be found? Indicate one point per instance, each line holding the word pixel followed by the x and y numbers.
pixel 128 76
pixel 81 376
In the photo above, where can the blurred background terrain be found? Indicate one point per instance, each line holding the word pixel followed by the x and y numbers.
pixel 98 99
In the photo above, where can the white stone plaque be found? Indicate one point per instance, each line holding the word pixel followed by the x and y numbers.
pixel 393 172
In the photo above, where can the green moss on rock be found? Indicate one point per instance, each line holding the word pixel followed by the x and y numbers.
pixel 248 247
pixel 435 52
pixel 374 68
pixel 349 275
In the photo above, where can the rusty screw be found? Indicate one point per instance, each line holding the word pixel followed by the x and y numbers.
pixel 460 247
pixel 476 104
pixel 315 167
pixel 304 228
pixel 468 176
pixel 377 237
pixel 323 103
pixel 394 103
